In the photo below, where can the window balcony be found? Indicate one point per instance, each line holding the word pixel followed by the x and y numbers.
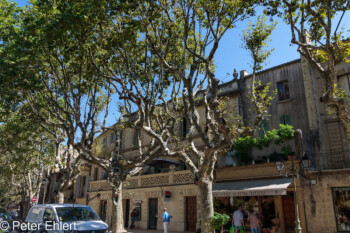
pixel 335 160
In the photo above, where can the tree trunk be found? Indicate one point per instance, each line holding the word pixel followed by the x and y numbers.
pixel 206 205
pixel 25 206
pixel 60 197
pixel 117 209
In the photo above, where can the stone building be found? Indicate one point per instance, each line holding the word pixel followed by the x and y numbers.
pixel 327 187
pixel 323 190
pixel 323 193
pixel 250 178
pixel 164 182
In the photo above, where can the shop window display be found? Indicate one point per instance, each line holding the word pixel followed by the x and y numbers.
pixel 341 199
pixel 266 215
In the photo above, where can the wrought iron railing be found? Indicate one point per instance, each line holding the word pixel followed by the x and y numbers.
pixel 335 159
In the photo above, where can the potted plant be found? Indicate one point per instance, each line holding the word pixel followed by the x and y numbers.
pixel 220 220
pixel 287 150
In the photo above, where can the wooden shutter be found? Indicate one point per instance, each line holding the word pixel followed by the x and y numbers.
pixel 264 127
pixel 77 187
pixel 135 138
pixel 183 128
pixel 285 120
pixel 282 120
pixel 120 140
pixel 87 179
pixel 288 120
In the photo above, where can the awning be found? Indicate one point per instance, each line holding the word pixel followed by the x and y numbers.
pixel 265 187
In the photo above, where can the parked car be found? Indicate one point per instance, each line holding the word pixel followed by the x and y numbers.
pixel 5 217
pixel 82 218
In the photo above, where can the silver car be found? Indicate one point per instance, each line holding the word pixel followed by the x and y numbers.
pixel 63 218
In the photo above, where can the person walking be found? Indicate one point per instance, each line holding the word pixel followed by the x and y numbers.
pixel 133 218
pixel 237 219
pixel 253 221
pixel 165 220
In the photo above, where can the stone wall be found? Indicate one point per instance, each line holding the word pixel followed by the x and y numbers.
pixel 175 205
pixel 318 200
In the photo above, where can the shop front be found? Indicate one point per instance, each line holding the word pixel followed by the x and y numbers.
pixel 269 199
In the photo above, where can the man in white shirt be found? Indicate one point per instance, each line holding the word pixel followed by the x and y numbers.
pixel 237 219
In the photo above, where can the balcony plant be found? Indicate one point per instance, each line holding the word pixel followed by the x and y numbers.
pixel 287 150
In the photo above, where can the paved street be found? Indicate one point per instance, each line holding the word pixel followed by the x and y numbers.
pixel 151 231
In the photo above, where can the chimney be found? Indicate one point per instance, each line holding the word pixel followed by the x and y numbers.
pixel 243 73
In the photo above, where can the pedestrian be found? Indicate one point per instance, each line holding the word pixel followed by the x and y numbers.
pixel 133 218
pixel 253 221
pixel 165 220
pixel 237 219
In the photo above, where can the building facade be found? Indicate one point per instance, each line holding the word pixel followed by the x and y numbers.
pixel 323 193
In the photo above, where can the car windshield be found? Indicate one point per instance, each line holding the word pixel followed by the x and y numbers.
pixel 74 214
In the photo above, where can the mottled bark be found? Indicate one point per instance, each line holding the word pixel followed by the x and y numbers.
pixel 25 206
pixel 117 209
pixel 60 197
pixel 206 205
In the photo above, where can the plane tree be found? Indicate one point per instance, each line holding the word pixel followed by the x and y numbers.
pixel 166 80
pixel 26 158
pixel 319 31
pixel 71 59
pixel 45 60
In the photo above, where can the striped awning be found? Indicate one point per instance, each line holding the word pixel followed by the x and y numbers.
pixel 266 187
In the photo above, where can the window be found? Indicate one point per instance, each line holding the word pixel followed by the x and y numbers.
pixel 48 216
pixel 35 214
pixel 104 142
pixel 112 138
pixel 104 175
pixel 82 186
pixel 283 90
pixel 96 174
pixel 285 120
pixel 183 128
pixel 120 140
pixel 103 210
pixel 341 202
pixel 264 127
pixel 135 139
pixel 76 214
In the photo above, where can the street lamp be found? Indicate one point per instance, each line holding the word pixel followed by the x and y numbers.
pixel 294 171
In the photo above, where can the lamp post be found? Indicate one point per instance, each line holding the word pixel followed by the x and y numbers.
pixel 294 171
pixel 46 182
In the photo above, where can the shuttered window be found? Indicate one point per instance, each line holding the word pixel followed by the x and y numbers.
pixel 120 140
pixel 183 128
pixel 264 127
pixel 112 137
pixel 285 120
pixel 135 139
pixel 104 142
pixel 96 177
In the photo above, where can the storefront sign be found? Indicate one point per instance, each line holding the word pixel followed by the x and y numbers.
pixel 238 193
